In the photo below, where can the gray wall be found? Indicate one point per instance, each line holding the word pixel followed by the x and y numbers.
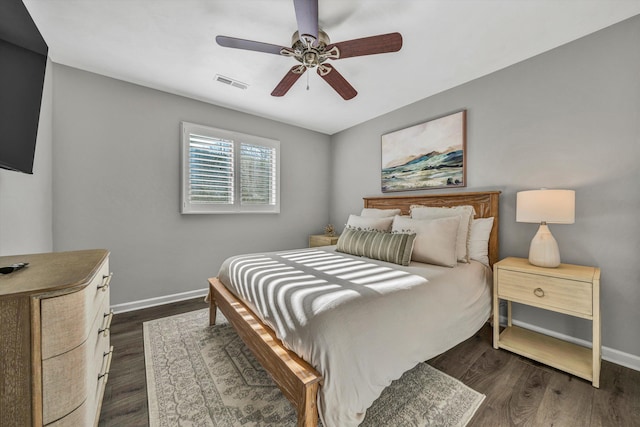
pixel 117 180
pixel 569 118
pixel 26 200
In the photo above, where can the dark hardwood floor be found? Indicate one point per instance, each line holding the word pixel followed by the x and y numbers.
pixel 519 392
pixel 125 397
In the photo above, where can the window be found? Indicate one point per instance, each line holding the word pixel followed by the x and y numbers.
pixel 227 172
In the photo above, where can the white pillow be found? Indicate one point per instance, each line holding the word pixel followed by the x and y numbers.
pixel 465 213
pixel 479 239
pixel 364 223
pixel 379 213
pixel 435 241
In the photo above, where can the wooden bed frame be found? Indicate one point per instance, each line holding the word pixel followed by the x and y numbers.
pixel 297 379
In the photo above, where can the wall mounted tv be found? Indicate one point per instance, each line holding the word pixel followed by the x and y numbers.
pixel 23 60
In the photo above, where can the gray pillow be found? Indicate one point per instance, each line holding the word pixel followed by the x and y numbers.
pixel 389 247
pixel 466 214
pixel 435 241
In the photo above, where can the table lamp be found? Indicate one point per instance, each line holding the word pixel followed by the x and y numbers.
pixel 545 207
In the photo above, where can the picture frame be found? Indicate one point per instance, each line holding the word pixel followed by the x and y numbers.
pixel 426 156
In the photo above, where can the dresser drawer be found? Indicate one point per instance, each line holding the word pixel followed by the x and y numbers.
pixel 72 378
pixel 82 416
pixel 87 414
pixel 563 295
pixel 64 383
pixel 66 319
pixel 99 377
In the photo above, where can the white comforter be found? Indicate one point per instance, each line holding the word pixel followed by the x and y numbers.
pixel 360 323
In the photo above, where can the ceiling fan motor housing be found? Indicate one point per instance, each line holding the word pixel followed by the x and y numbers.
pixel 308 51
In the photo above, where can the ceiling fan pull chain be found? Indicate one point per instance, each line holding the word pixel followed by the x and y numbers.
pixel 308 81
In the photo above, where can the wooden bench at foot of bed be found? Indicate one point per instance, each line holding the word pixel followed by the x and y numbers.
pixel 298 380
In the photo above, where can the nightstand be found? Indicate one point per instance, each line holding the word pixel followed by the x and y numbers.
pixel 568 289
pixel 322 240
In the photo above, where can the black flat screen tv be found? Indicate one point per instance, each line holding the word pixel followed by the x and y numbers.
pixel 23 60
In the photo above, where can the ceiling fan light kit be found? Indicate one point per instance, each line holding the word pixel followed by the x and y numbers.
pixel 312 48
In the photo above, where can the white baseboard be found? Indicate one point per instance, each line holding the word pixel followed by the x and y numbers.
pixel 152 302
pixel 610 354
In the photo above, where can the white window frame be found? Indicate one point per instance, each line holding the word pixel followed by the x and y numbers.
pixel 186 207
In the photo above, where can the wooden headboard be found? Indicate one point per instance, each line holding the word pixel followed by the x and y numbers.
pixel 486 204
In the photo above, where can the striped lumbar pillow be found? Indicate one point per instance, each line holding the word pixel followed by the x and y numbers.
pixel 383 246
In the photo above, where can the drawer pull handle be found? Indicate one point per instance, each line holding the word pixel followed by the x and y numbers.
pixel 106 281
pixel 539 292
pixel 105 372
pixel 105 331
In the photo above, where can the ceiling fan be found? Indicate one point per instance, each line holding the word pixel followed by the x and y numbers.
pixel 312 48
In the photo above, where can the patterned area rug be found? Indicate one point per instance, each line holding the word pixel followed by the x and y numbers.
pixel 205 376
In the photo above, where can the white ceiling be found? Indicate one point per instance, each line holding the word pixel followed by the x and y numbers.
pixel 170 45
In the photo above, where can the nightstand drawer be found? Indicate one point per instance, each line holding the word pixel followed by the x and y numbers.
pixel 563 295
pixel 322 240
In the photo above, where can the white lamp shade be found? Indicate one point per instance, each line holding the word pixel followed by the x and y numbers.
pixel 550 206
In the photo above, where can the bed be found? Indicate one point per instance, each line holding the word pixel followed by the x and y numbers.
pixel 299 381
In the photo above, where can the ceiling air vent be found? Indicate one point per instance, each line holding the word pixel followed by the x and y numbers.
pixel 231 82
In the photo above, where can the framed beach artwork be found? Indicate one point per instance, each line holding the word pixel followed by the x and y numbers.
pixel 426 156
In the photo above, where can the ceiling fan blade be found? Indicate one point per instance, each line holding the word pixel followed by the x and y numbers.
pixel 336 81
pixel 235 43
pixel 288 80
pixel 307 18
pixel 383 43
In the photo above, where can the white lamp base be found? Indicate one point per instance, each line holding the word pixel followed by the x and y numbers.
pixel 544 251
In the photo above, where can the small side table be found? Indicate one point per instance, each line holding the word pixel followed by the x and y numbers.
pixel 568 289
pixel 322 240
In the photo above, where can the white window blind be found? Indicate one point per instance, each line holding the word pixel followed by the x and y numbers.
pixel 257 175
pixel 210 170
pixel 226 172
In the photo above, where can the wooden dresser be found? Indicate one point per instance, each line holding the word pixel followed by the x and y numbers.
pixel 54 338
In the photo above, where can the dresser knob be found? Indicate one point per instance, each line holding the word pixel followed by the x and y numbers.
pixel 107 368
pixel 106 281
pixel 538 292
pixel 105 330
